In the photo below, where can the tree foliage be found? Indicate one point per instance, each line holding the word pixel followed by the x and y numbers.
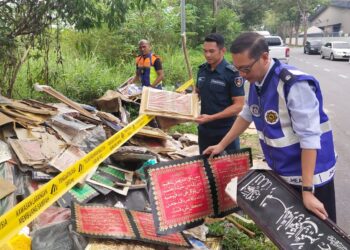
pixel 22 22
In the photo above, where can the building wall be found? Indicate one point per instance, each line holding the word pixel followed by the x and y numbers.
pixel 333 16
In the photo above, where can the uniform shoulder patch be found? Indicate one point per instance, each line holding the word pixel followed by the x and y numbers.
pixel 239 81
pixel 286 75
pixel 231 68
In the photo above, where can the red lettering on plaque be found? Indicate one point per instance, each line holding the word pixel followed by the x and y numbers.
pixel 103 221
pixel 182 193
pixel 147 230
pixel 224 169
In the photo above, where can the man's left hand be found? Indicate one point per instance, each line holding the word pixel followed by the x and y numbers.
pixel 314 205
pixel 203 119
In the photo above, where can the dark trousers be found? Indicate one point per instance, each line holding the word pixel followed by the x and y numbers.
pixel 326 195
pixel 206 139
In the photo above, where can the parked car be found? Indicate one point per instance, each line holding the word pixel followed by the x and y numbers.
pixel 277 48
pixel 336 50
pixel 312 47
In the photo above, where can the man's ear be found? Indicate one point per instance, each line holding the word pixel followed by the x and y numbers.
pixel 224 50
pixel 265 56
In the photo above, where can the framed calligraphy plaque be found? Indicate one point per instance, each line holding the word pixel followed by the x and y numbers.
pixel 225 168
pixel 184 192
pixel 80 194
pixel 117 223
pixel 102 221
pixel 279 211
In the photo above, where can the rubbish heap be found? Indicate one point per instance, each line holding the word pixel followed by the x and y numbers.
pixel 40 140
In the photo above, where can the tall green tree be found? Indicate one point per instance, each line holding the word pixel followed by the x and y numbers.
pixel 24 25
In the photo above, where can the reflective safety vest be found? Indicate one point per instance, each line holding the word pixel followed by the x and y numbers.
pixel 279 142
pixel 146 70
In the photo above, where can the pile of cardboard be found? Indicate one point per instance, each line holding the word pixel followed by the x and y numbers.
pixel 40 140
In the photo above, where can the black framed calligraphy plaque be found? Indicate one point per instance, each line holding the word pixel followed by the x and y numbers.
pixel 278 210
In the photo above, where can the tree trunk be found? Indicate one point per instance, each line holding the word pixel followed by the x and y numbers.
pixel 14 73
pixel 305 27
pixel 290 33
pixel 215 11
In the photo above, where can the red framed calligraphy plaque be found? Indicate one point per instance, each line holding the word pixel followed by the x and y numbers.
pixel 225 168
pixel 181 193
pixel 147 231
pixel 100 221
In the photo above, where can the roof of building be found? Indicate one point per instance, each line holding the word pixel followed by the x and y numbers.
pixel 334 3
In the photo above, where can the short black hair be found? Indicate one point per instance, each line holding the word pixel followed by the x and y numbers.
pixel 217 38
pixel 252 41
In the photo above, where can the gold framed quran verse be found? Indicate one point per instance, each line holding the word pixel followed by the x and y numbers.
pixel 169 104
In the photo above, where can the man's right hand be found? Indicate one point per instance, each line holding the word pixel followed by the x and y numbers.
pixel 213 150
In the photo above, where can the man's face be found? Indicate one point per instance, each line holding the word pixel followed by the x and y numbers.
pixel 212 53
pixel 250 68
pixel 144 48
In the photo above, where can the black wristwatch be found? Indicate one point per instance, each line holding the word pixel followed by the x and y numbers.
pixel 308 189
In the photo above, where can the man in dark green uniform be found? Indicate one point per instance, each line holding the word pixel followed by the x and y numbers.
pixel 221 91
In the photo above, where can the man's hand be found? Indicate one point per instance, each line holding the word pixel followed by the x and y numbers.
pixel 203 119
pixel 314 205
pixel 213 150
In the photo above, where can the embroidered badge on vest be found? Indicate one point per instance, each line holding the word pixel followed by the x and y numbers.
pixel 254 109
pixel 239 81
pixel 271 117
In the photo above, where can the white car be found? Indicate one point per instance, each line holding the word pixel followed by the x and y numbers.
pixel 336 50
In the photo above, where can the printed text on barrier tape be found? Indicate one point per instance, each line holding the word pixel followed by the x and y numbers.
pixel 27 210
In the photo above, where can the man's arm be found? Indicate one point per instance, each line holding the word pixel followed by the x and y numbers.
pixel 238 127
pixel 160 73
pixel 160 76
pixel 234 109
pixel 304 106
pixel 308 163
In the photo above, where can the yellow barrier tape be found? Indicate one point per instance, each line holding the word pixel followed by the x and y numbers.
pixel 186 85
pixel 27 210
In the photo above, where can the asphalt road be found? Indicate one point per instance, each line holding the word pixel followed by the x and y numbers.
pixel 334 78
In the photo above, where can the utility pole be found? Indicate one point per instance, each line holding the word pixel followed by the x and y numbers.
pixel 183 38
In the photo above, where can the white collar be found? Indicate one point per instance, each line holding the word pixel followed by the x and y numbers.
pixel 260 84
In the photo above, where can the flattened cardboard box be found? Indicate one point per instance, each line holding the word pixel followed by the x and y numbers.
pixel 116 223
pixel 169 104
pixel 184 192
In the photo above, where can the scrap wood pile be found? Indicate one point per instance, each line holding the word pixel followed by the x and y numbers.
pixel 40 140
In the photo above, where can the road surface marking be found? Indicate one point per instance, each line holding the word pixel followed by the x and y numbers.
pixel 325 69
pixel 343 76
pixel 315 65
pixel 308 62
